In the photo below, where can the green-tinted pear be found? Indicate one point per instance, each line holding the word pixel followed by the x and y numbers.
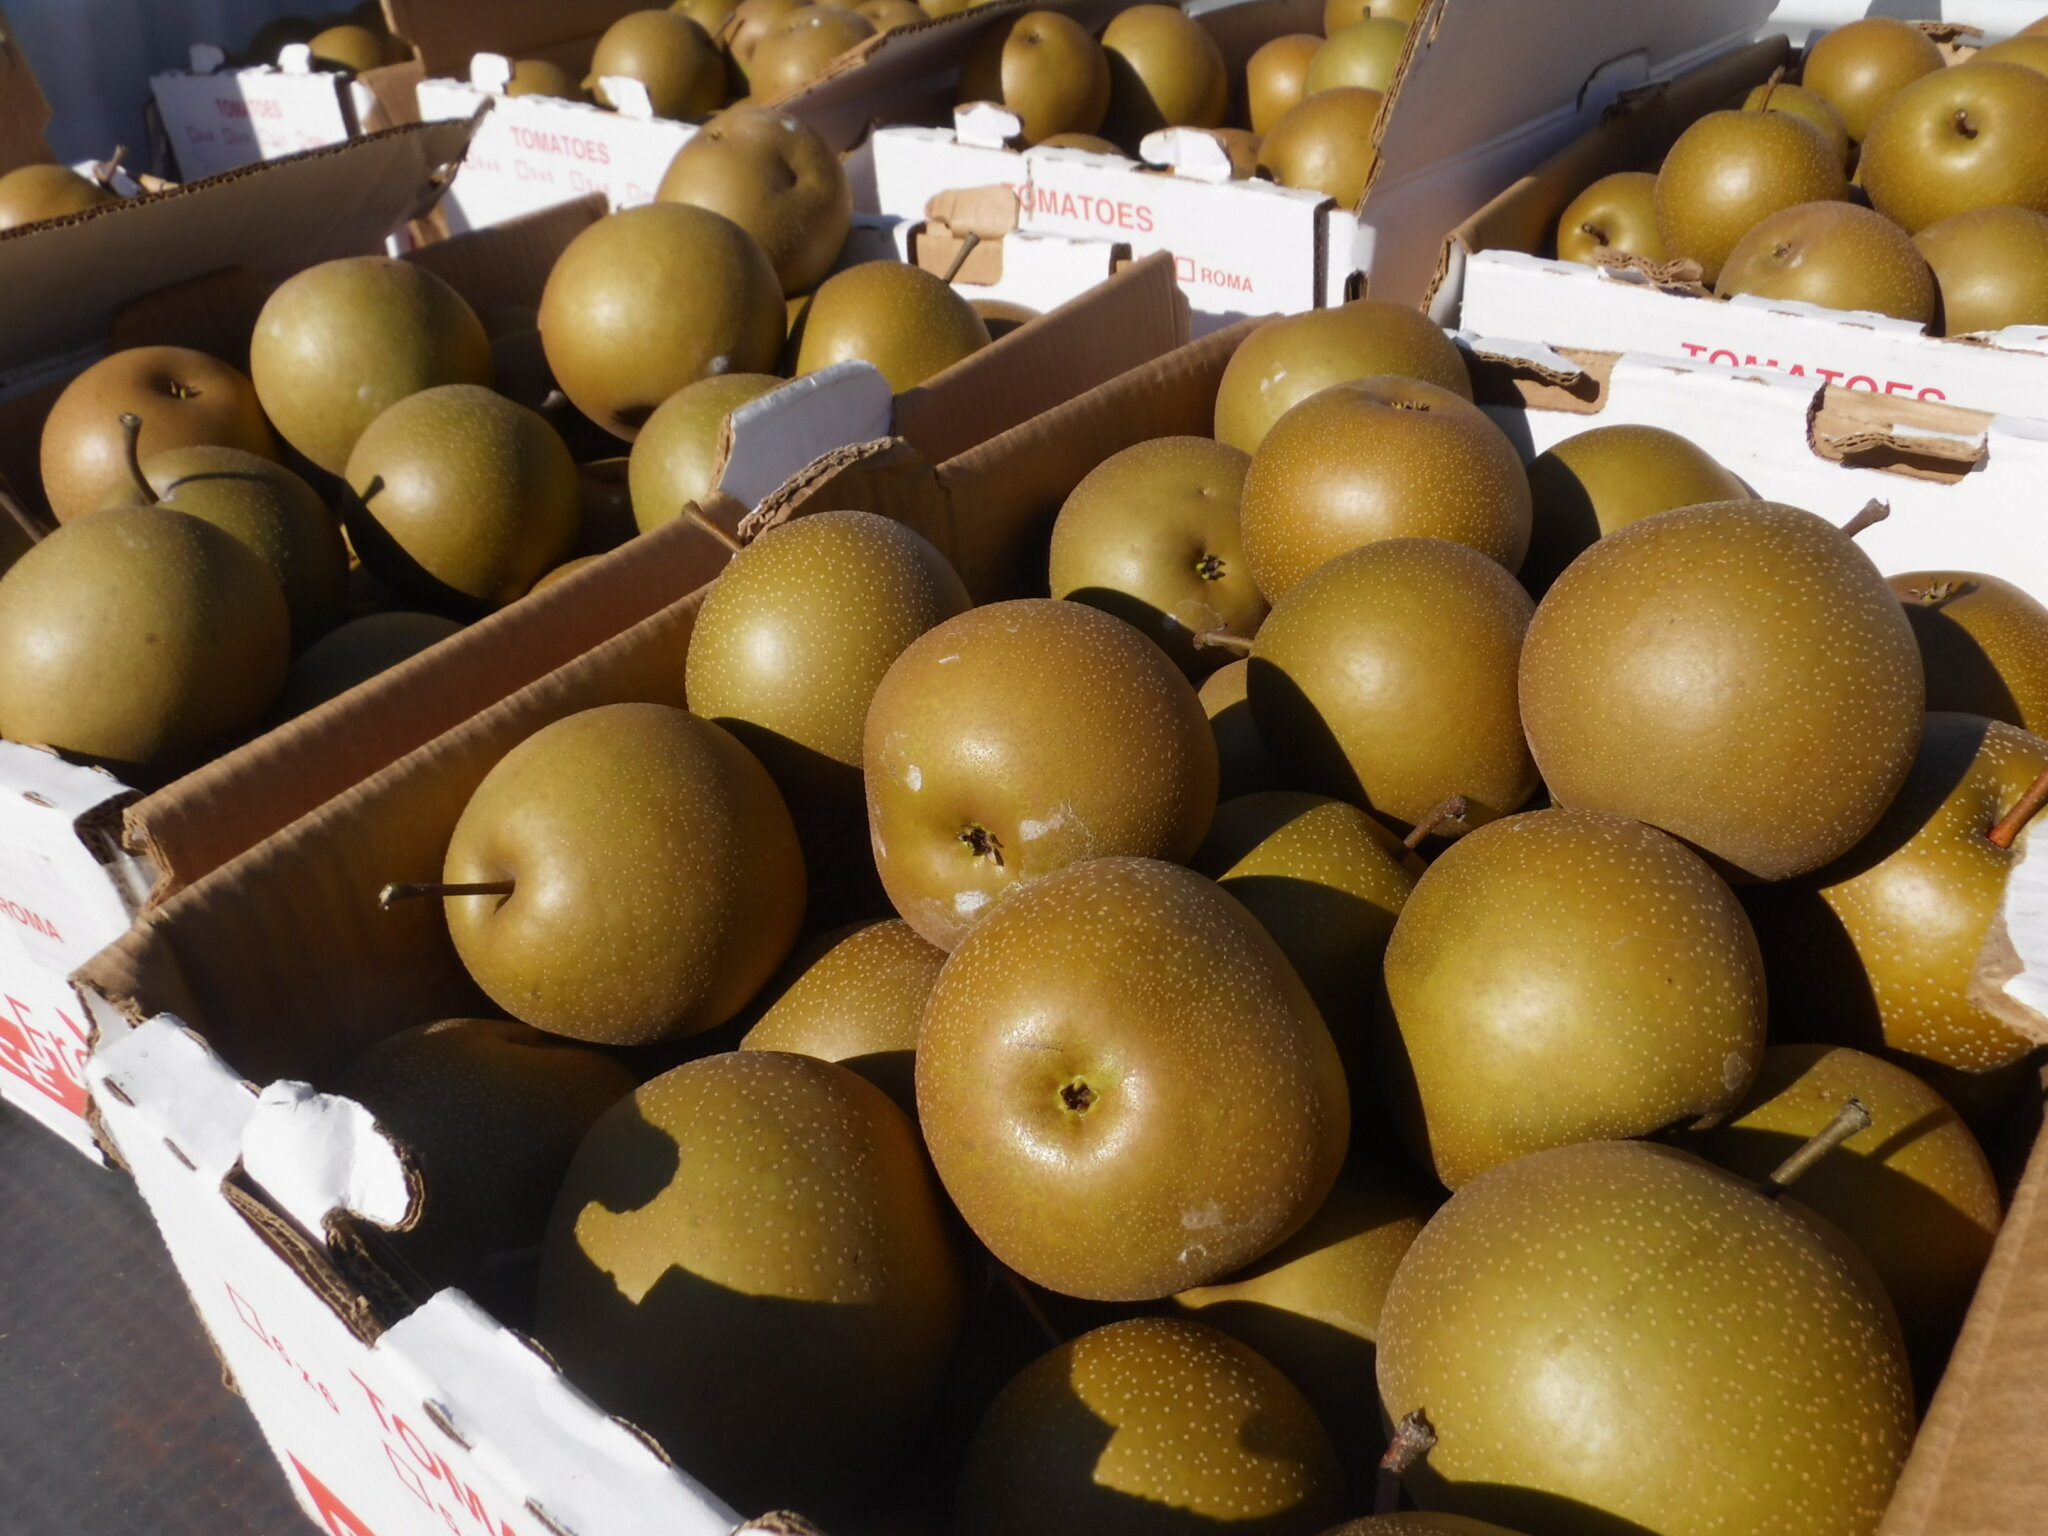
pixel 1984 643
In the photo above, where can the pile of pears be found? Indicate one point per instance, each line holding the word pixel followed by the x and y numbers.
pixel 239 541
pixel 1304 109
pixel 1888 178
pixel 1396 940
pixel 347 42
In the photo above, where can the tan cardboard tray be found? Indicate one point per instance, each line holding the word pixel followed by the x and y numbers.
pixel 398 1409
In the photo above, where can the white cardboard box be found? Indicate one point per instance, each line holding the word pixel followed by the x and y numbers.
pixel 1563 303
pixel 1489 88
pixel 1994 18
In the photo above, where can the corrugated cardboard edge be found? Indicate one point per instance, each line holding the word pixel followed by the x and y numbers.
pixel 1636 132
pixel 1979 1465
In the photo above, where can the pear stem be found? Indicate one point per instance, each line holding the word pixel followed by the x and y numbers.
pixel 1873 512
pixel 1414 1438
pixel 1770 88
pixel 1450 810
pixel 1029 1302
pixel 392 894
pixel 131 443
pixel 960 257
pixel 28 525
pixel 697 515
pixel 2014 821
pixel 1222 640
pixel 1851 1118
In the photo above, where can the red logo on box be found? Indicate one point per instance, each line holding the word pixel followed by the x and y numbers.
pixel 1723 357
pixel 47 1063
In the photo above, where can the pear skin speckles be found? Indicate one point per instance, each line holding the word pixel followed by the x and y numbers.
pixel 1568 976
pixel 1737 674
pixel 1151 1426
pixel 1621 1325
pixel 1124 1086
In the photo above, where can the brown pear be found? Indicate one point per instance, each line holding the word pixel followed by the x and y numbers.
pixel 1312 1305
pixel 354 653
pixel 906 321
pixel 1984 643
pixel 1380 458
pixel 137 637
pixel 1836 255
pixel 801 46
pixel 1326 881
pixel 184 398
pixel 540 77
pixel 675 458
pixel 1276 77
pixel 1991 265
pixel 1207 1436
pixel 461 497
pixel 1595 482
pixel 666 52
pixel 1243 764
pixel 1730 170
pixel 1093 143
pixel 30 194
pixel 748 1261
pixel 1913 1190
pixel 1858 68
pixel 1044 67
pixel 1567 976
pixel 860 1004
pixel 268 508
pixel 2032 52
pixel 1960 139
pixel 889 15
pixel 1617 213
pixel 1366 54
pixel 1151 535
pixel 650 299
pixel 1325 144
pixel 1165 71
pixel 711 15
pixel 1737 674
pixel 1343 13
pixel 750 22
pixel 777 179
pixel 1003 316
pixel 799 631
pixel 1286 360
pixel 1067 1063
pixel 351 49
pixel 1351 673
pixel 1018 738
pixel 655 879
pixel 340 343
pixel 1780 97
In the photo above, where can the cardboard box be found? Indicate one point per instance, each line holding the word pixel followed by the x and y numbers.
pixel 396 1414
pixel 219 119
pixel 81 853
pixel 1488 89
pixel 1493 279
pixel 1801 20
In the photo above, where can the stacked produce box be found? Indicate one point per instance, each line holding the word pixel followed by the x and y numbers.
pixel 710 884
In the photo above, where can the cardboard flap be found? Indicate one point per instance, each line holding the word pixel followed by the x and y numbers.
pixel 1136 316
pixel 215 1104
pixel 204 819
pixel 766 441
pixel 508 265
pixel 447 32
pixel 285 952
pixel 1531 376
pixel 1921 439
pixel 522 1420
pixel 990 212
pixel 61 284
pixel 315 1154
pixel 887 477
